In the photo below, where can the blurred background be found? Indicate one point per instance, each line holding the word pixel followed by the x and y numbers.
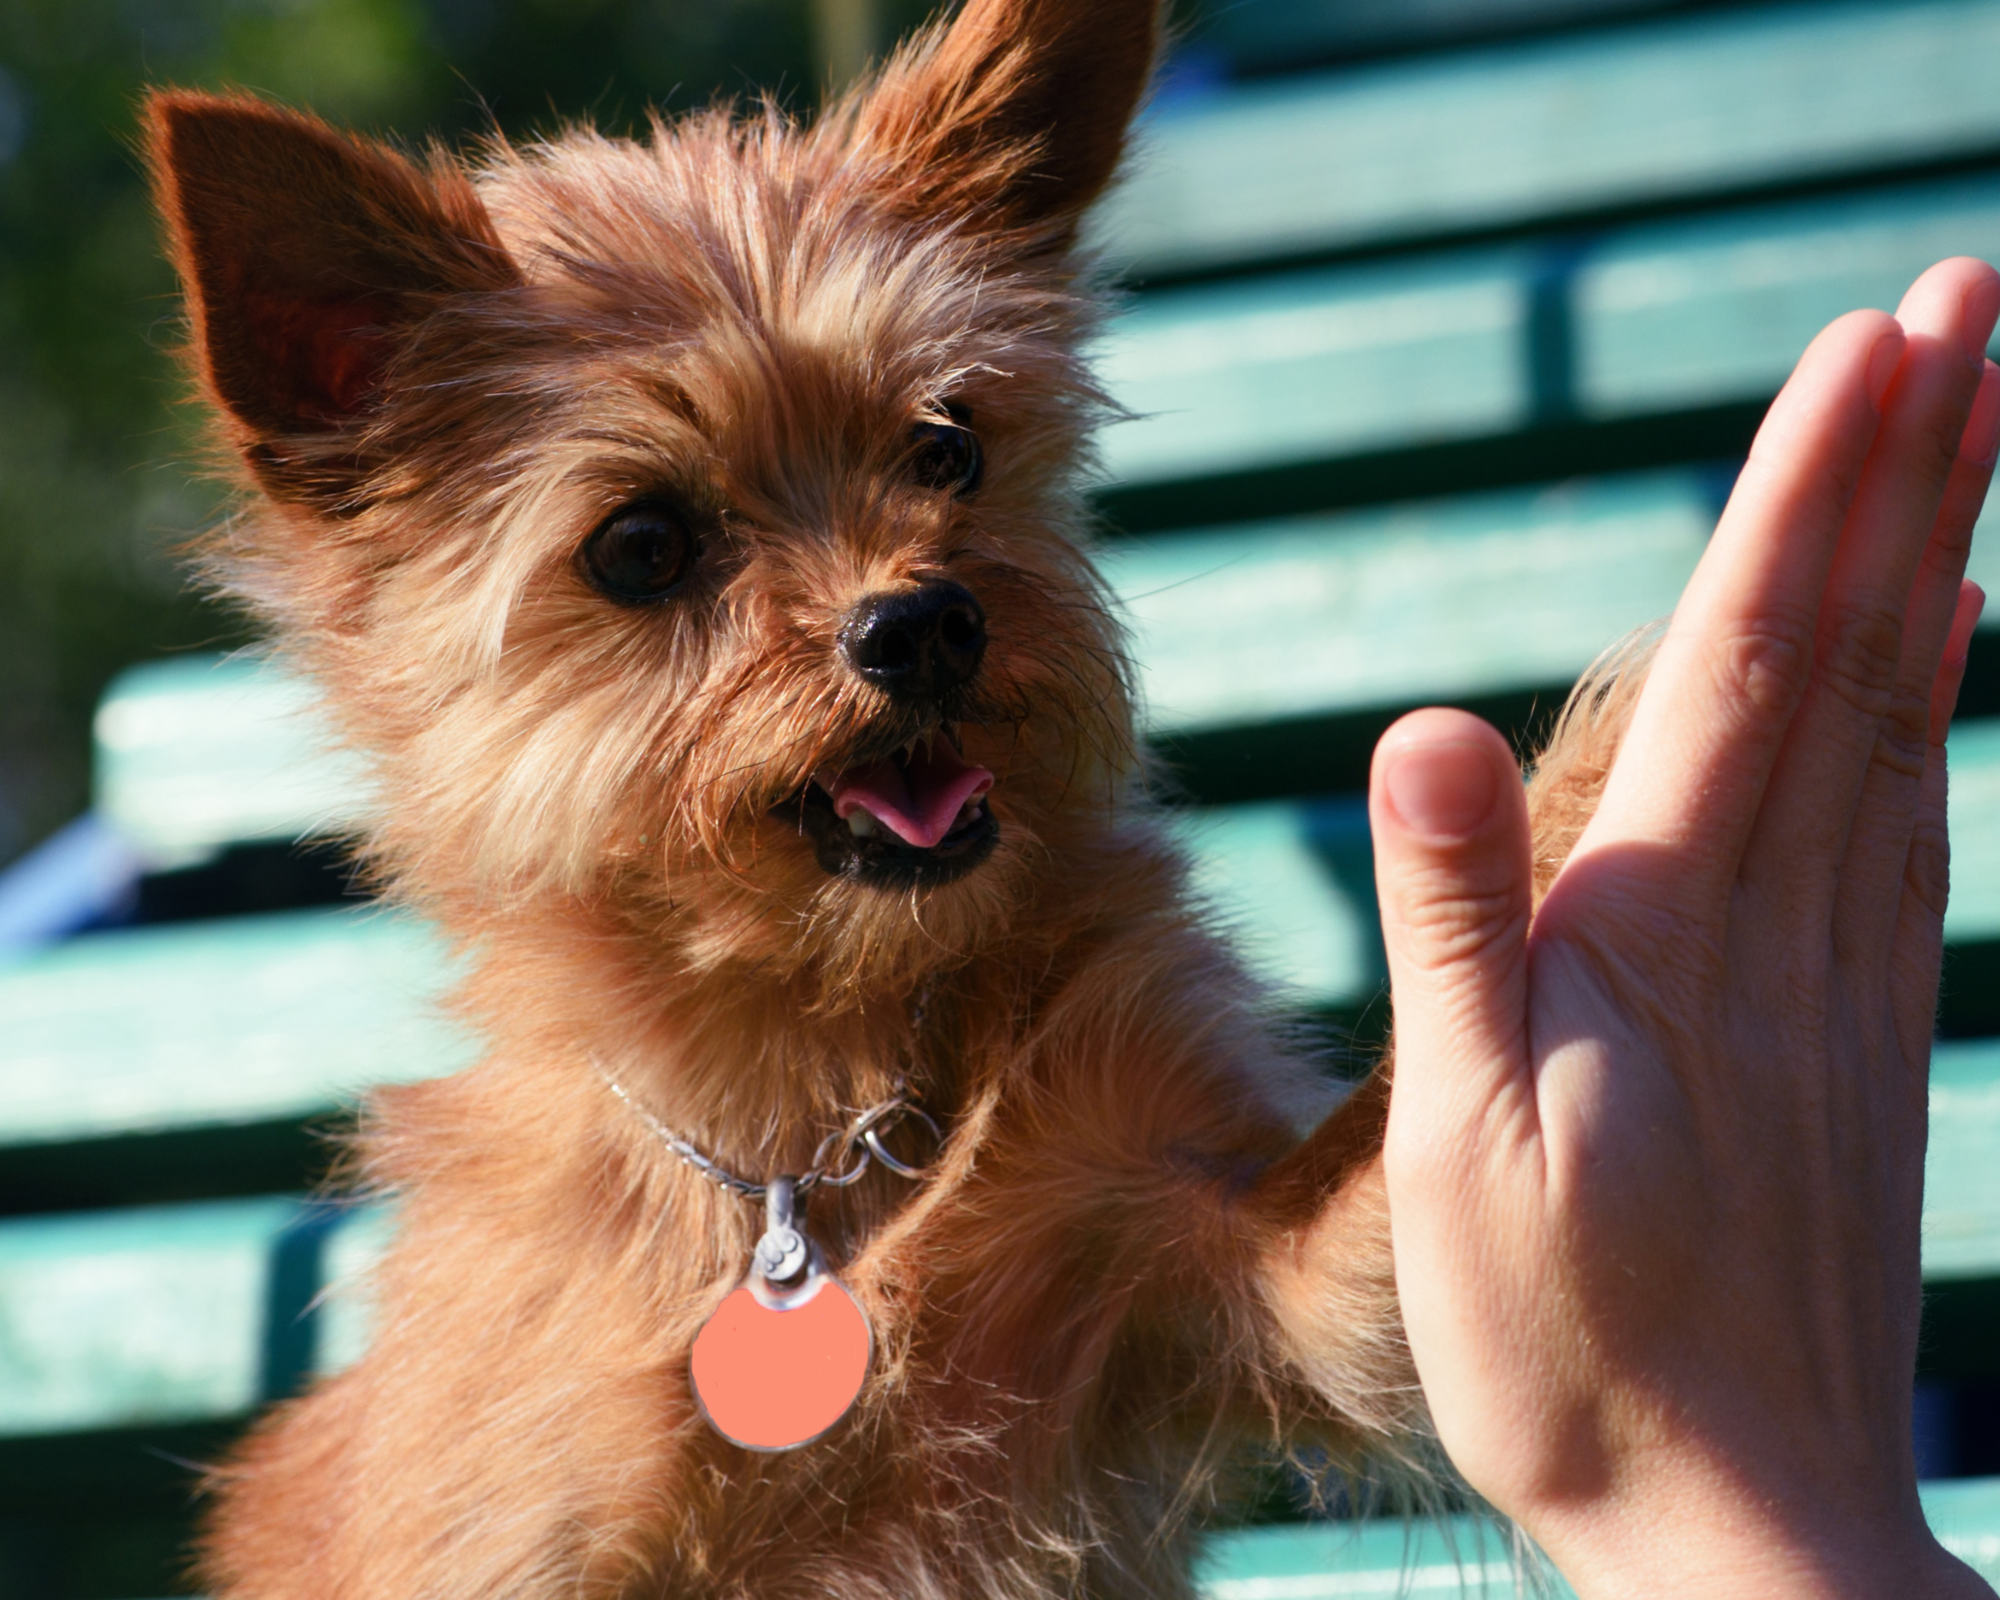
pixel 1447 321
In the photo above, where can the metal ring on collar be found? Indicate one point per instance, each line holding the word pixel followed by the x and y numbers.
pixel 871 1137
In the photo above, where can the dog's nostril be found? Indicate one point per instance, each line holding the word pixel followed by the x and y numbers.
pixel 886 649
pixel 960 629
pixel 916 643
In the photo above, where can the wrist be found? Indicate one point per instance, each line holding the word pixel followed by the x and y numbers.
pixel 1727 1540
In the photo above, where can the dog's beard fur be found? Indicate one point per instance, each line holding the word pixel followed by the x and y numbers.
pixel 438 383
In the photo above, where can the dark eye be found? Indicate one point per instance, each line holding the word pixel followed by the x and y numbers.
pixel 640 555
pixel 946 454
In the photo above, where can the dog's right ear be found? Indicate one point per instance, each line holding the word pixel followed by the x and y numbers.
pixel 307 257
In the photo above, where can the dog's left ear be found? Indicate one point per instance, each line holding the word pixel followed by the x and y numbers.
pixel 1015 112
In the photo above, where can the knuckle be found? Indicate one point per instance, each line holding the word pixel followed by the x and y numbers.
pixel 1903 741
pixel 1794 993
pixel 1767 663
pixel 1950 543
pixel 1825 496
pixel 1927 867
pixel 1859 650
pixel 1934 439
pixel 1448 921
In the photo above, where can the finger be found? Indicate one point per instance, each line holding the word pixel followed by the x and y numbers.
pixel 1735 658
pixel 1453 875
pixel 1939 596
pixel 1957 650
pixel 1850 729
pixel 1872 875
pixel 1919 937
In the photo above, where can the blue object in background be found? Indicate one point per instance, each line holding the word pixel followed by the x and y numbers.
pixel 78 878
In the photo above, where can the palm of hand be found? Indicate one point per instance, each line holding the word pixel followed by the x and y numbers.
pixel 1655 1147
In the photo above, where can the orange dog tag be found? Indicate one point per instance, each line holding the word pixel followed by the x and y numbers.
pixel 771 1379
pixel 784 1357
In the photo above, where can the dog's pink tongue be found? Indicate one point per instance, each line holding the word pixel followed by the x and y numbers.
pixel 917 801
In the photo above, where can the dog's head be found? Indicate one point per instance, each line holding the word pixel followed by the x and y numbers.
pixel 687 526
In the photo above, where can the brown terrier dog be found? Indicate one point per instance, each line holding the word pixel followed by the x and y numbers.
pixel 688 532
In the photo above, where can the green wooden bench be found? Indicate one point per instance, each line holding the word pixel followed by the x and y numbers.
pixel 195 753
pixel 1254 35
pixel 119 1319
pixel 1541 132
pixel 1296 367
pixel 240 1019
pixel 1715 309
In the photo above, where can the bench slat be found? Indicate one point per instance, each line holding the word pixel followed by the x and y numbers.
pixel 200 751
pixel 1522 133
pixel 238 1020
pixel 1295 879
pixel 1386 1556
pixel 125 1318
pixel 1257 34
pixel 1313 366
pixel 1446 1558
pixel 1308 366
pixel 1973 914
pixel 1294 882
pixel 1961 1200
pixel 1447 600
pixel 1717 309
pixel 1461 1558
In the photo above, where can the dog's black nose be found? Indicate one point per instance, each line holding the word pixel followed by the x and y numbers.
pixel 916 644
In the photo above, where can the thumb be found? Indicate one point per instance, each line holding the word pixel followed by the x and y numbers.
pixel 1453 873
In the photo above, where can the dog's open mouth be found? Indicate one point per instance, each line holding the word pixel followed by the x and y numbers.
pixel 916 816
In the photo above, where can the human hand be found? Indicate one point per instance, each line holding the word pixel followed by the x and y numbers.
pixel 1655 1151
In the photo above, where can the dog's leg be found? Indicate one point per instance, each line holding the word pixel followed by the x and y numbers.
pixel 1327 1271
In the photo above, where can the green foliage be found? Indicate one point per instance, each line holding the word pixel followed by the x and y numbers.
pixel 96 484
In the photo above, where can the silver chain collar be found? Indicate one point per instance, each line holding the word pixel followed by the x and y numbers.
pixel 859 1143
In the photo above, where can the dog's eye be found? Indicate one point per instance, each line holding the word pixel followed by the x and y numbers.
pixel 947 455
pixel 640 555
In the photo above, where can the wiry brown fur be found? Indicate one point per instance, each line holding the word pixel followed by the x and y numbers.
pixel 1127 1262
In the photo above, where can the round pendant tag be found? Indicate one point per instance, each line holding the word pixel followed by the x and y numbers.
pixel 775 1372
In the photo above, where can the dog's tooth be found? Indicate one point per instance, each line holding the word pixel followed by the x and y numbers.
pixel 909 749
pixel 862 823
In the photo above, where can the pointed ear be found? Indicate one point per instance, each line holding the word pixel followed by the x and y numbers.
pixel 306 256
pixel 1017 108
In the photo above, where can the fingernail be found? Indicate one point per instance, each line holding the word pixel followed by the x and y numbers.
pixel 1958 644
pixel 1882 363
pixel 1981 442
pixel 1441 791
pixel 1982 306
